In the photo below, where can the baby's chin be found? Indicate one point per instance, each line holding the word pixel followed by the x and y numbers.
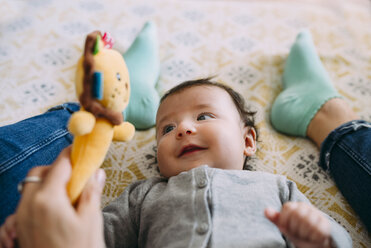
pixel 176 170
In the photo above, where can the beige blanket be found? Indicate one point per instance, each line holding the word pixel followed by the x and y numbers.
pixel 244 43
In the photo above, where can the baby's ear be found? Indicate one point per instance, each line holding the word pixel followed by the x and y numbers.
pixel 250 141
pixel 142 60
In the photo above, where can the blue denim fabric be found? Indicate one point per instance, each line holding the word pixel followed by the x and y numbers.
pixel 29 143
pixel 346 155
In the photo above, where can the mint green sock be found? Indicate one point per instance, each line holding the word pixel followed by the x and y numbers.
pixel 307 86
pixel 142 60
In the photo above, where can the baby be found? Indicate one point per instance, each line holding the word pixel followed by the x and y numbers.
pixel 204 133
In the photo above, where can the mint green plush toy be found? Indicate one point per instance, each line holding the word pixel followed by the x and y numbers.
pixel 142 60
pixel 306 87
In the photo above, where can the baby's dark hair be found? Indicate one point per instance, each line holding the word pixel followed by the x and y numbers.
pixel 247 116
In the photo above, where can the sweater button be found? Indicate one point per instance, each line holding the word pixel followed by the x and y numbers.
pixel 202 183
pixel 202 228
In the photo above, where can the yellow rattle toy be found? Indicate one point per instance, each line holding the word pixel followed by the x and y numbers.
pixel 103 89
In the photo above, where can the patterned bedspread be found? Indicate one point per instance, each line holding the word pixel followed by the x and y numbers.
pixel 243 43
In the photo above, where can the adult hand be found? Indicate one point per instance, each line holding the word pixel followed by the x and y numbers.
pixel 45 216
pixel 302 224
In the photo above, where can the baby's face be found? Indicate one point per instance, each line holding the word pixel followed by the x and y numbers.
pixel 197 126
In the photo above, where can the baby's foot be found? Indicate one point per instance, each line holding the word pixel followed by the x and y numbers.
pixel 307 86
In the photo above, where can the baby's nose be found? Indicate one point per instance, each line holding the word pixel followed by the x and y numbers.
pixel 186 130
pixel 180 134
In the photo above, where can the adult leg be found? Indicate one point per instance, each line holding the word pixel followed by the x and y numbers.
pixel 345 144
pixel 333 113
pixel 306 87
pixel 310 106
pixel 29 143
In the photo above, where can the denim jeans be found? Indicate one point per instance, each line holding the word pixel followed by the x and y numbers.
pixel 345 154
pixel 29 143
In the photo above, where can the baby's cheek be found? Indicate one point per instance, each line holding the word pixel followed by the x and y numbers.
pixel 160 163
pixel 231 153
pixel 159 154
pixel 163 155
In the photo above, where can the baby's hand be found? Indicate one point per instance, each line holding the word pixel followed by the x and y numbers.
pixel 303 224
pixel 8 233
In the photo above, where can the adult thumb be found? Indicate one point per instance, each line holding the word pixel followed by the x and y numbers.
pixel 90 199
pixel 59 173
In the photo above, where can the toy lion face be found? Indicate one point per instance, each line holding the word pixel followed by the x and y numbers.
pixel 116 85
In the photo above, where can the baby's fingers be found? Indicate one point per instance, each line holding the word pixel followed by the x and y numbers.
pixel 272 215
pixel 281 219
pixel 320 228
pixel 287 221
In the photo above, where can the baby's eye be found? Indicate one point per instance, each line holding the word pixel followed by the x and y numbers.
pixel 167 129
pixel 205 116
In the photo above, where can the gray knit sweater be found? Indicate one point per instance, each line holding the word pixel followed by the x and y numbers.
pixel 204 207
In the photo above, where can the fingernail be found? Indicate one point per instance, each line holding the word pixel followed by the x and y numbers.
pixel 100 177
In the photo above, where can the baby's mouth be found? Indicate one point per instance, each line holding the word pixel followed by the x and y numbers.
pixel 190 149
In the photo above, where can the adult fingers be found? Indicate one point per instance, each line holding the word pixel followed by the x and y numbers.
pixel 25 210
pixel 89 211
pixel 7 232
pixel 30 188
pixel 60 171
pixel 5 240
pixel 90 198
pixel 10 226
